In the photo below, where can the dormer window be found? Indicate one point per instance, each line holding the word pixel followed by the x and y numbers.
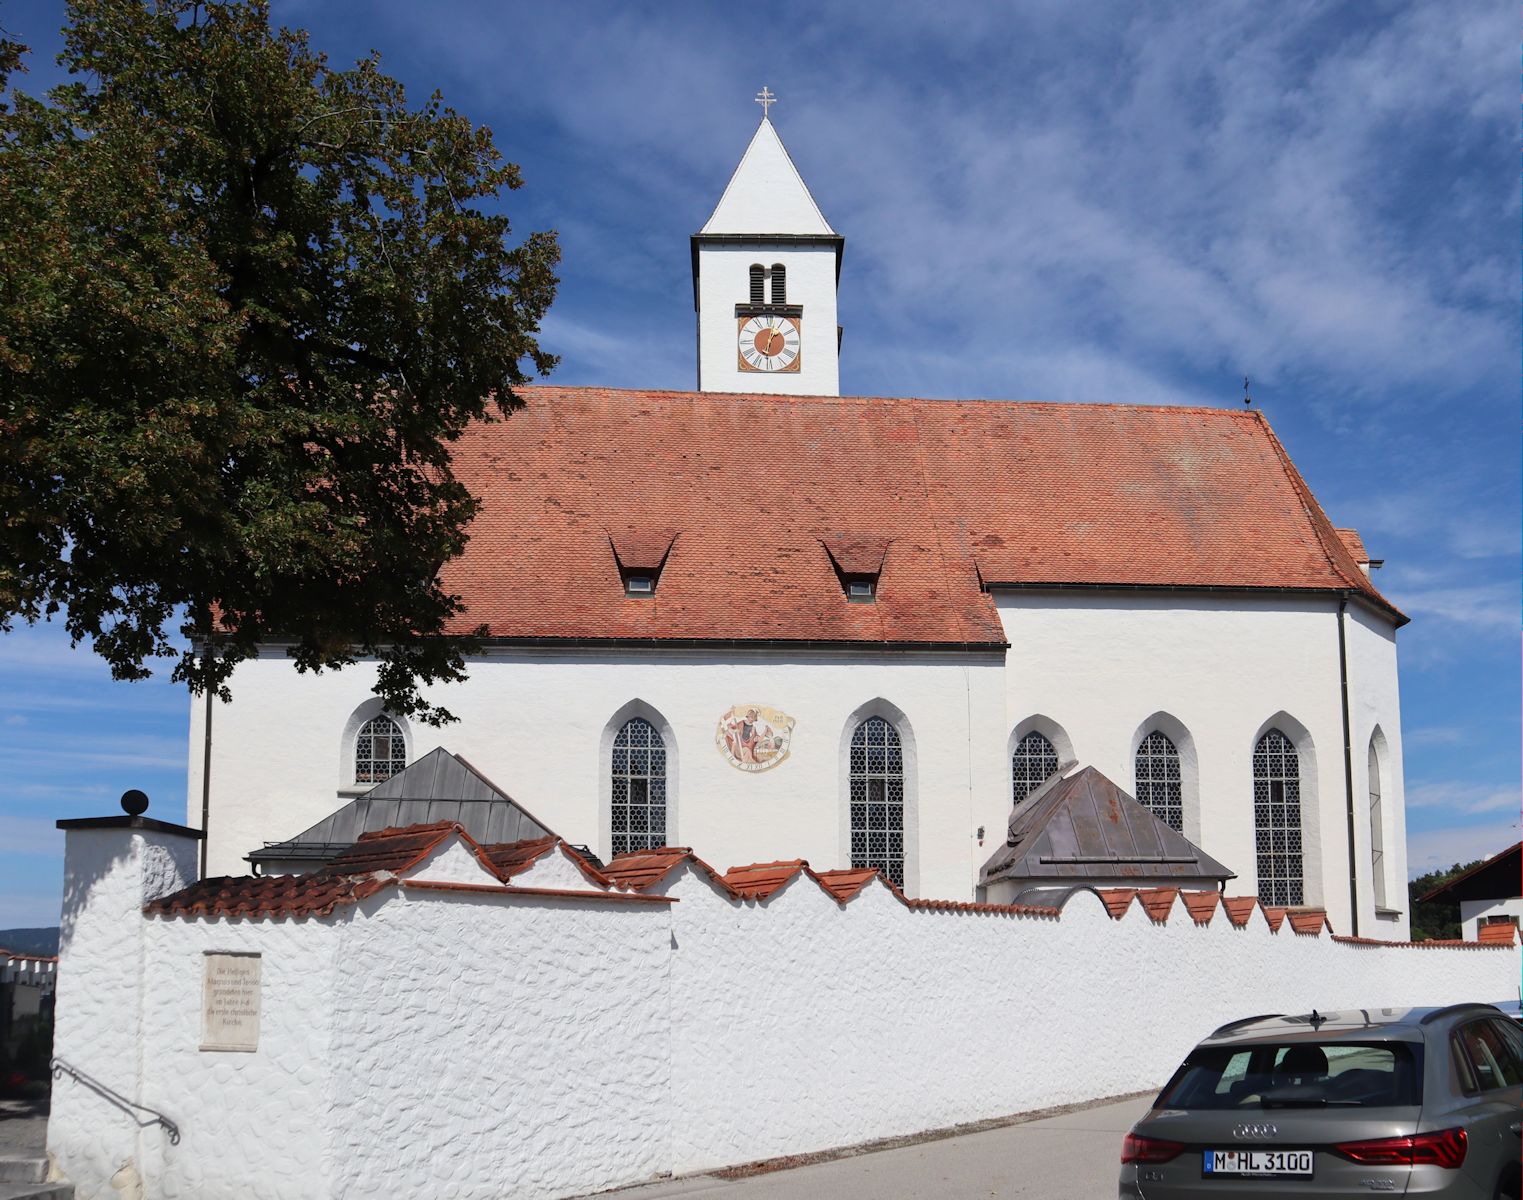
pixel 640 555
pixel 857 560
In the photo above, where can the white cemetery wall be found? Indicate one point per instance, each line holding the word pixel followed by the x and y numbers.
pixel 1098 671
pixel 103 988
pixel 470 1045
pixel 539 724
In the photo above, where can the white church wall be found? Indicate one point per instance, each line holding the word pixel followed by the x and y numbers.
pixel 534 723
pixel 1099 664
pixel 724 280
pixel 1375 704
pixel 463 1044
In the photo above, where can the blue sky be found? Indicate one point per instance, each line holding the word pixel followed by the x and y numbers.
pixel 1051 200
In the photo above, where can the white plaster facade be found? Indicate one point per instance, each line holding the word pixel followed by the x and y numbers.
pixel 1093 671
pixel 497 1044
pixel 1473 911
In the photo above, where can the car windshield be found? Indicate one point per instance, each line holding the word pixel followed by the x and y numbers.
pixel 1297 1075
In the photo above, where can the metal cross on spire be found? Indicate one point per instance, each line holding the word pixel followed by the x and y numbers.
pixel 766 99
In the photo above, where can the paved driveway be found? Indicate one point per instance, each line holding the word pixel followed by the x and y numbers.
pixel 1076 1156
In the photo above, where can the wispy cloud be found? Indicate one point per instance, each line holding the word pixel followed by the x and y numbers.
pixel 30 835
pixel 1464 798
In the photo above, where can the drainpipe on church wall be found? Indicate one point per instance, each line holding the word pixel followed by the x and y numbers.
pixel 206 779
pixel 1348 765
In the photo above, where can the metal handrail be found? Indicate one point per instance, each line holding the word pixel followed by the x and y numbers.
pixel 117 1100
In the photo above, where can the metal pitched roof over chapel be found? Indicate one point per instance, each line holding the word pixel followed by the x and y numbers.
pixel 749 493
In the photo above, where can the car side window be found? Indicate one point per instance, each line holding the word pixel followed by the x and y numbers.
pixel 1492 1058
pixel 1506 1045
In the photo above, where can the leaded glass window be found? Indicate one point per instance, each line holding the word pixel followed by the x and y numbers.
pixel 380 750
pixel 1377 831
pixel 639 787
pixel 1033 761
pixel 877 799
pixel 1277 818
pixel 1158 783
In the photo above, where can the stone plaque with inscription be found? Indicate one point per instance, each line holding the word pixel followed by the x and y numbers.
pixel 230 1002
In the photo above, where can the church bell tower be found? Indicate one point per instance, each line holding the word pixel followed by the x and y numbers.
pixel 765 269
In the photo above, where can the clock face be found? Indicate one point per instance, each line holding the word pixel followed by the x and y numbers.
pixel 769 343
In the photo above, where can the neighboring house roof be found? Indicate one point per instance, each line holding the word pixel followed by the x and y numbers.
pixel 439 787
pixel 1082 826
pixel 1500 877
pixel 750 498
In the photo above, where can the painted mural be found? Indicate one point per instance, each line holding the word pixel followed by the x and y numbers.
pixel 753 737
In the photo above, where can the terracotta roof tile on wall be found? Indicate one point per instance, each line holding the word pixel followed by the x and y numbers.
pixel 845 884
pixel 314 895
pixel 759 880
pixel 641 869
pixel 759 486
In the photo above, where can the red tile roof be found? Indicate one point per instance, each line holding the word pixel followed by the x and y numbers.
pixel 1201 905
pixel 843 885
pixel 1500 934
pixel 642 869
pixel 1309 920
pixel 760 491
pixel 1240 909
pixel 759 880
pixel 507 859
pixel 314 895
pixel 397 850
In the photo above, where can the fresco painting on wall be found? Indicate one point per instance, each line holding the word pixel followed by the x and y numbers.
pixel 753 737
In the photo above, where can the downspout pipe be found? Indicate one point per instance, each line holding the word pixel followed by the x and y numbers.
pixel 206 777
pixel 1348 764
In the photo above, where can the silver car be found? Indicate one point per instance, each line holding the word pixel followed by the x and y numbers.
pixel 1408 1101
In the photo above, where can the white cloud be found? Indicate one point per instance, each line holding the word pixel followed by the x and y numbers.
pixel 30 835
pixel 1464 798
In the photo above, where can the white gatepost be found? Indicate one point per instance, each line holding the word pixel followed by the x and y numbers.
pixel 113 866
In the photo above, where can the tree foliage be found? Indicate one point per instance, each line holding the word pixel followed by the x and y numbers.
pixel 247 301
pixel 1435 918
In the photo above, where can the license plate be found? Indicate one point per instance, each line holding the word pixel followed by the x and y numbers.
pixel 1261 1163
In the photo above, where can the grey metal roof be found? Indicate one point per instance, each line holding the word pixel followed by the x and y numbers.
pixel 440 786
pixel 1082 826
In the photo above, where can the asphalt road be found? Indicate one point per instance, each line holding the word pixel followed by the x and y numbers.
pixel 1075 1156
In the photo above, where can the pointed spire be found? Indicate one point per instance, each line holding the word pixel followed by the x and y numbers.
pixel 766 195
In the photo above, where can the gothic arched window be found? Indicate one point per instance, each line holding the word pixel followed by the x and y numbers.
pixel 1277 818
pixel 1033 761
pixel 1158 783
pixel 639 787
pixel 779 284
pixel 380 750
pixel 1377 830
pixel 877 799
pixel 758 284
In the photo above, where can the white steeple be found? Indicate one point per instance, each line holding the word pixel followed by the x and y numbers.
pixel 766 194
pixel 765 268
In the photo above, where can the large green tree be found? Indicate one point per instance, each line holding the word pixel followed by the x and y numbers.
pixel 247 301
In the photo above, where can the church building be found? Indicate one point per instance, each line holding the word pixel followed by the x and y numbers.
pixel 981 646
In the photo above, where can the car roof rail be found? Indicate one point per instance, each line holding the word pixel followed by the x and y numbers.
pixel 1450 1010
pixel 1238 1024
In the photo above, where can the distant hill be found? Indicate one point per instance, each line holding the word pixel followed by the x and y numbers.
pixel 30 941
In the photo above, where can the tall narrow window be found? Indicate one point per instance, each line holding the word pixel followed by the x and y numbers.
pixel 639 787
pixel 779 284
pixel 758 284
pixel 1277 818
pixel 1377 831
pixel 877 799
pixel 380 750
pixel 1033 761
pixel 1158 783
